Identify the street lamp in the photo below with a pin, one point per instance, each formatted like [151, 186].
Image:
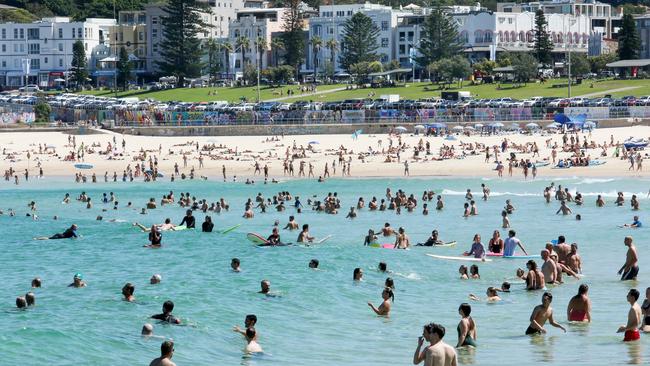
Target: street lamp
[572, 21]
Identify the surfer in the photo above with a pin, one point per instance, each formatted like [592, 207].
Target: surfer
[70, 232]
[432, 240]
[635, 223]
[274, 238]
[167, 225]
[304, 235]
[188, 220]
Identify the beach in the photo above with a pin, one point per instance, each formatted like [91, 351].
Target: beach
[250, 149]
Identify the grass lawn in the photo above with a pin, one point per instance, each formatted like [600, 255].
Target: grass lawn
[410, 91]
[201, 94]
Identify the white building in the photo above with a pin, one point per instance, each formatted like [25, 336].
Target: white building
[47, 44]
[222, 14]
[250, 24]
[330, 22]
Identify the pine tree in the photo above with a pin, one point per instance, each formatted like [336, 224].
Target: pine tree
[293, 37]
[628, 39]
[439, 38]
[123, 69]
[543, 45]
[79, 65]
[180, 47]
[359, 41]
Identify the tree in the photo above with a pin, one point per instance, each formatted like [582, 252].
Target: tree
[214, 63]
[316, 44]
[393, 65]
[42, 111]
[78, 66]
[525, 67]
[628, 39]
[260, 46]
[359, 41]
[579, 64]
[332, 46]
[277, 44]
[363, 69]
[250, 73]
[227, 48]
[452, 68]
[543, 44]
[124, 68]
[294, 43]
[439, 38]
[180, 48]
[242, 43]
[599, 63]
[485, 66]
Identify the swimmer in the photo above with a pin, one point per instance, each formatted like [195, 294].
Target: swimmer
[645, 307]
[371, 238]
[579, 308]
[128, 290]
[635, 223]
[387, 230]
[466, 327]
[390, 283]
[304, 235]
[384, 308]
[21, 303]
[492, 295]
[402, 240]
[207, 225]
[505, 286]
[71, 232]
[234, 265]
[36, 282]
[357, 274]
[313, 264]
[188, 220]
[265, 287]
[166, 316]
[511, 243]
[542, 313]
[166, 354]
[634, 318]
[155, 237]
[147, 330]
[292, 224]
[534, 278]
[437, 352]
[473, 272]
[155, 279]
[249, 322]
[549, 269]
[352, 214]
[382, 267]
[77, 281]
[464, 272]
[564, 209]
[251, 338]
[432, 240]
[630, 269]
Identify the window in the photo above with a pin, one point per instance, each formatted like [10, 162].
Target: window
[4, 63]
[16, 63]
[45, 60]
[487, 37]
[410, 36]
[60, 32]
[402, 36]
[15, 33]
[384, 25]
[340, 13]
[22, 33]
[509, 20]
[349, 12]
[74, 32]
[22, 47]
[33, 33]
[154, 20]
[384, 42]
[4, 33]
[154, 33]
[60, 62]
[34, 48]
[4, 48]
[80, 35]
[140, 36]
[60, 47]
[36, 63]
[402, 49]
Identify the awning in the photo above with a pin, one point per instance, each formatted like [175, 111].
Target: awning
[629, 63]
[390, 72]
[504, 69]
[109, 59]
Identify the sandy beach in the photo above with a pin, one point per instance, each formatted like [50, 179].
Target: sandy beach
[240, 153]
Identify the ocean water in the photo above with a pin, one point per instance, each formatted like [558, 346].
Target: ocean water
[320, 317]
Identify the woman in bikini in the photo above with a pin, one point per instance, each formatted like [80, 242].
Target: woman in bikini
[466, 327]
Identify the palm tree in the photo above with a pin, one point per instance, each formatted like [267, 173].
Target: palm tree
[243, 43]
[316, 43]
[276, 44]
[260, 42]
[332, 46]
[227, 49]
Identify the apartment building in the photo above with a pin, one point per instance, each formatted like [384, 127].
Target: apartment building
[643, 27]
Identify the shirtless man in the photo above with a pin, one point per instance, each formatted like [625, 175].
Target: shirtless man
[387, 230]
[548, 268]
[579, 308]
[630, 269]
[251, 342]
[631, 329]
[402, 240]
[573, 260]
[304, 235]
[166, 353]
[564, 209]
[437, 352]
[292, 224]
[562, 249]
[542, 313]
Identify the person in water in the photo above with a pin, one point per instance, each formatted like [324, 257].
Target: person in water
[492, 295]
[70, 232]
[630, 269]
[432, 240]
[265, 287]
[251, 341]
[304, 235]
[635, 223]
[313, 264]
[249, 322]
[188, 220]
[155, 279]
[542, 313]
[166, 315]
[371, 238]
[166, 354]
[207, 225]
[234, 265]
[466, 327]
[464, 272]
[384, 308]
[437, 352]
[274, 238]
[77, 281]
[478, 249]
[357, 274]
[155, 237]
[634, 318]
[579, 308]
[127, 291]
[645, 307]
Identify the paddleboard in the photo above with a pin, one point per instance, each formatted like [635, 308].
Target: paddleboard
[276, 245]
[449, 244]
[255, 238]
[226, 231]
[500, 255]
[468, 259]
[179, 228]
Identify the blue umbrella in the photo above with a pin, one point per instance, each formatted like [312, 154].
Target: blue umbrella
[313, 142]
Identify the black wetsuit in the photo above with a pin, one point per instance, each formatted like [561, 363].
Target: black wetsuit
[69, 233]
[207, 227]
[189, 222]
[169, 318]
[155, 239]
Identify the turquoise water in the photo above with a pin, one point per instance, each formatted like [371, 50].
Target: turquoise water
[321, 316]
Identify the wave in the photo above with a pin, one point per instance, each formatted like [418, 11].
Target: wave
[450, 192]
[612, 193]
[594, 181]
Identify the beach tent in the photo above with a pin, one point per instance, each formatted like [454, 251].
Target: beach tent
[469, 128]
[478, 125]
[590, 125]
[553, 125]
[513, 127]
[436, 125]
[497, 125]
[313, 142]
[419, 127]
[400, 128]
[532, 126]
[457, 128]
[561, 118]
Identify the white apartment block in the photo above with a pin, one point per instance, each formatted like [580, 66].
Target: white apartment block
[330, 23]
[47, 44]
[223, 12]
[252, 23]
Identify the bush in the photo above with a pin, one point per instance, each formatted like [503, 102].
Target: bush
[42, 111]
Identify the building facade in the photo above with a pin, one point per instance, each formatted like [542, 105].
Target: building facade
[643, 27]
[46, 45]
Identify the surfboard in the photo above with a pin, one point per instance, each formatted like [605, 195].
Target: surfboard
[255, 238]
[322, 240]
[468, 259]
[449, 244]
[83, 166]
[226, 231]
[179, 228]
[500, 255]
[276, 245]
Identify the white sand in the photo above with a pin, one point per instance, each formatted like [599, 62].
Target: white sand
[251, 148]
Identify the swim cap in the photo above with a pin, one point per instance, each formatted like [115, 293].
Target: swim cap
[79, 276]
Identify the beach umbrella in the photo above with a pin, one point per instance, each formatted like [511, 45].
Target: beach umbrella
[469, 128]
[478, 125]
[532, 126]
[553, 125]
[513, 126]
[400, 128]
[457, 128]
[590, 124]
[419, 127]
[437, 125]
[497, 125]
[313, 142]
